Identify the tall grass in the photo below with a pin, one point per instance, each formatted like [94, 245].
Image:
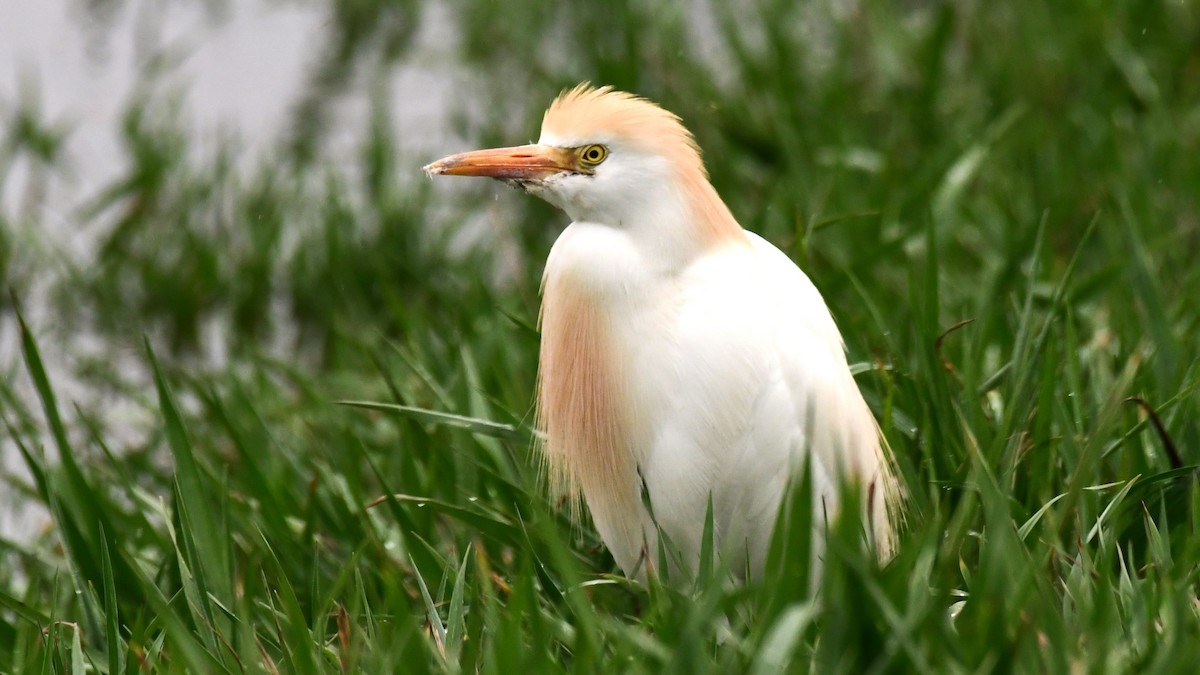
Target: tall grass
[998, 202]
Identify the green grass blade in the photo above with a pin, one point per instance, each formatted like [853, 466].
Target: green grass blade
[432, 618]
[775, 654]
[204, 553]
[112, 626]
[456, 614]
[474, 425]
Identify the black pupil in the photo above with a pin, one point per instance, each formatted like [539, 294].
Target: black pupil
[593, 154]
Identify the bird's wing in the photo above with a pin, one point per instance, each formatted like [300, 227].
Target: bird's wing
[759, 382]
[841, 437]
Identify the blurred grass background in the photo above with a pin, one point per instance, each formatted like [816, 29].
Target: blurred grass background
[1030, 169]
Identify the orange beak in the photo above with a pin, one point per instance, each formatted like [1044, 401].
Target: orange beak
[525, 162]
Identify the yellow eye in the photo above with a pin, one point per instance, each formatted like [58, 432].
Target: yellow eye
[593, 154]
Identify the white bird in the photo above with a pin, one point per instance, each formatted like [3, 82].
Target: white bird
[681, 356]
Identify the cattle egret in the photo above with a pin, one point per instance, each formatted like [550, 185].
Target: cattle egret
[683, 359]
